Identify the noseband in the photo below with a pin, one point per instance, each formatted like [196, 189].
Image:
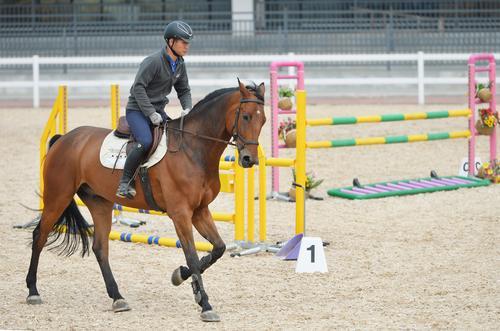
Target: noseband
[236, 135]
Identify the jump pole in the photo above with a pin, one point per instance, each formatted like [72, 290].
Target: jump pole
[300, 161]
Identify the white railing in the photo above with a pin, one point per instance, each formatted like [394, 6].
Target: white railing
[419, 79]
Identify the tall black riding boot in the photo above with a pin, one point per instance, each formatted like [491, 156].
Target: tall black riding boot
[126, 188]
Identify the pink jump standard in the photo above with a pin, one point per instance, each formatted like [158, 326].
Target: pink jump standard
[473, 102]
[275, 76]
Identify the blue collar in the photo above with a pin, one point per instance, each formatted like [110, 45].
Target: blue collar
[173, 64]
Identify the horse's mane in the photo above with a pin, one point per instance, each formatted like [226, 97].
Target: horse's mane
[211, 96]
[217, 93]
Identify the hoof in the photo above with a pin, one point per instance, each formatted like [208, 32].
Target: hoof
[34, 300]
[120, 305]
[209, 316]
[176, 277]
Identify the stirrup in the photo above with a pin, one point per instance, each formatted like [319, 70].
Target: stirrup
[125, 191]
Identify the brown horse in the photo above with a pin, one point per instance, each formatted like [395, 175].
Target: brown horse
[184, 183]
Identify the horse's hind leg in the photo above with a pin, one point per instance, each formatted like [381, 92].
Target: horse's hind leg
[203, 222]
[101, 211]
[52, 210]
[183, 227]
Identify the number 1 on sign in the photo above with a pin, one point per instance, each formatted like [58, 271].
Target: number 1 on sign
[311, 248]
[311, 256]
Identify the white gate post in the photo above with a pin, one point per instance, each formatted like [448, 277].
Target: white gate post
[420, 68]
[36, 81]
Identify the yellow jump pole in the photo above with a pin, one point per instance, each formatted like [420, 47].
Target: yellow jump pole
[251, 205]
[239, 200]
[63, 110]
[262, 195]
[115, 115]
[115, 105]
[300, 162]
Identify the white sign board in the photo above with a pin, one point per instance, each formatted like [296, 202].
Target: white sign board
[464, 166]
[311, 256]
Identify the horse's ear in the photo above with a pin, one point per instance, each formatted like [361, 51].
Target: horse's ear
[243, 90]
[261, 89]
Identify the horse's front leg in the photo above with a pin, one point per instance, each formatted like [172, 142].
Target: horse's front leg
[183, 227]
[203, 222]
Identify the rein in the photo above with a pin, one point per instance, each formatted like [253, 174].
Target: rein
[235, 135]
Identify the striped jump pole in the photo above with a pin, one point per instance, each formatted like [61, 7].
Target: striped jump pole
[155, 240]
[146, 239]
[388, 140]
[388, 117]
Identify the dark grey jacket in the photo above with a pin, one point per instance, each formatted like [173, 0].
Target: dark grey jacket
[154, 82]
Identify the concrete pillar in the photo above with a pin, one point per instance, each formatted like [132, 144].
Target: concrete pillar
[242, 17]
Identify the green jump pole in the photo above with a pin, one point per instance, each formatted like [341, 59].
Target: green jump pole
[388, 117]
[388, 139]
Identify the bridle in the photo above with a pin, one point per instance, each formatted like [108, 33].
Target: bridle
[235, 133]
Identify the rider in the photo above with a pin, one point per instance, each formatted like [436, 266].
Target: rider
[157, 74]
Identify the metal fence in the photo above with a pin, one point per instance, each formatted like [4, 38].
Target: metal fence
[278, 26]
[414, 73]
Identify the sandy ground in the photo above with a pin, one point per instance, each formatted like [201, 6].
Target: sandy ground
[428, 261]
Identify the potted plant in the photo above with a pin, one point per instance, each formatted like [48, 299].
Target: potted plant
[286, 132]
[311, 183]
[483, 92]
[488, 119]
[285, 93]
[490, 171]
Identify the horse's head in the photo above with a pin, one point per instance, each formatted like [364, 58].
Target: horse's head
[246, 123]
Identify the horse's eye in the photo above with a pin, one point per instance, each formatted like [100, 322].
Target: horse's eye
[246, 117]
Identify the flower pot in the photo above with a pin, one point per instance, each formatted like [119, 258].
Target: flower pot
[291, 139]
[484, 130]
[292, 193]
[485, 174]
[484, 94]
[285, 104]
[481, 173]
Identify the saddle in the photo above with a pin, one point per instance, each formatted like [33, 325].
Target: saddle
[123, 132]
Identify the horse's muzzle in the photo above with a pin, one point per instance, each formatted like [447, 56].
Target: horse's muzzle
[246, 160]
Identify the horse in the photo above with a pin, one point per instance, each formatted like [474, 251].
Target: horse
[183, 184]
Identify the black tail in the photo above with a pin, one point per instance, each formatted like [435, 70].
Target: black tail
[71, 227]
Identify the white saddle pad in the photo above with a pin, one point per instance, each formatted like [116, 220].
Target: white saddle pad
[113, 148]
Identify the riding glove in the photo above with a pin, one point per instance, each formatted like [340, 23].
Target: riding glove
[185, 111]
[155, 118]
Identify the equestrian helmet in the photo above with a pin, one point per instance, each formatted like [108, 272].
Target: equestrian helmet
[178, 30]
